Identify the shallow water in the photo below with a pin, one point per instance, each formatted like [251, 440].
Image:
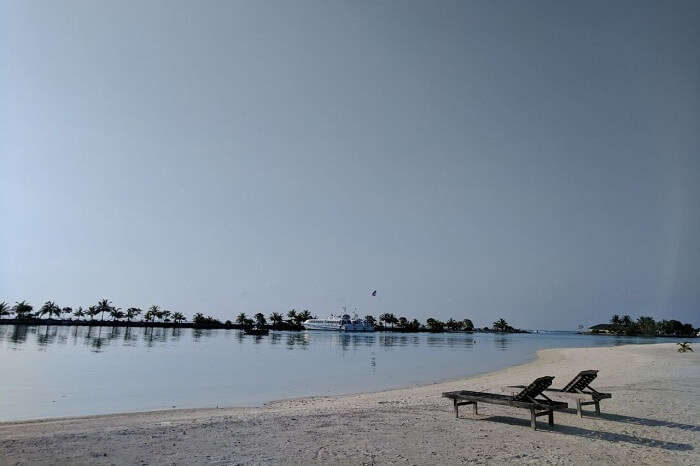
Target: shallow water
[50, 371]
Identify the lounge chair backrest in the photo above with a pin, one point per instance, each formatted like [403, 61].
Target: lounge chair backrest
[581, 381]
[536, 388]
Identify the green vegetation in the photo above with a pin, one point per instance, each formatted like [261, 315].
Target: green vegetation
[276, 319]
[502, 326]
[22, 310]
[645, 326]
[132, 312]
[156, 316]
[5, 309]
[435, 325]
[684, 347]
[199, 320]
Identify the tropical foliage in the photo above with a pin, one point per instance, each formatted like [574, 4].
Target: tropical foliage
[646, 325]
[49, 308]
[260, 319]
[200, 319]
[132, 312]
[276, 319]
[501, 326]
[684, 347]
[5, 309]
[79, 312]
[22, 310]
[435, 325]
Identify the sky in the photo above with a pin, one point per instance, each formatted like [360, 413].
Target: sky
[536, 161]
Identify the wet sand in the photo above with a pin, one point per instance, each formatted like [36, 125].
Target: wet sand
[651, 419]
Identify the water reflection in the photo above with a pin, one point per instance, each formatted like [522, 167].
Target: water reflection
[99, 338]
[502, 342]
[102, 369]
[297, 340]
[275, 338]
[48, 336]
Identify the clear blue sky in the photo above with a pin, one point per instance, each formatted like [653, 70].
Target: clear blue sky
[537, 161]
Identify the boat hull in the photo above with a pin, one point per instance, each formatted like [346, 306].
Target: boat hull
[338, 326]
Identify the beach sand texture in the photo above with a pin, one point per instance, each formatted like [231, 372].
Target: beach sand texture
[653, 418]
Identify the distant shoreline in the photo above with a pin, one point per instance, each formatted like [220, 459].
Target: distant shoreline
[213, 326]
[286, 327]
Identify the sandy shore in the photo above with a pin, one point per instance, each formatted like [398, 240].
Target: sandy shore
[653, 418]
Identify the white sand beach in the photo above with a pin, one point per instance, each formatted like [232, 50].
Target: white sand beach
[653, 418]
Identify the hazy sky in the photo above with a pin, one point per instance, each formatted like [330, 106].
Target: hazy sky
[537, 161]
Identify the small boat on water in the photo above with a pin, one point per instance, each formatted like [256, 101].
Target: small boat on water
[343, 324]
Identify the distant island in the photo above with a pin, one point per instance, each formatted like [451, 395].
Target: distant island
[644, 326]
[52, 314]
[105, 313]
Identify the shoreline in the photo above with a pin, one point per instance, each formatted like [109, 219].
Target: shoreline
[536, 357]
[650, 419]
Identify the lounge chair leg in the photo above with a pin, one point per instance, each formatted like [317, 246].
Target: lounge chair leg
[475, 411]
[597, 407]
[533, 419]
[456, 409]
[551, 418]
[579, 410]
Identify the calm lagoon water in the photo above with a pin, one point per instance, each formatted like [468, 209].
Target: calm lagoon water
[50, 371]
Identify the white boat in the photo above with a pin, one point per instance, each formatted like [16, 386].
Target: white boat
[343, 324]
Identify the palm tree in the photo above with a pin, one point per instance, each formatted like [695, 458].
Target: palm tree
[260, 319]
[626, 321]
[454, 324]
[435, 325]
[241, 318]
[116, 313]
[276, 319]
[92, 311]
[646, 325]
[4, 309]
[79, 313]
[615, 320]
[104, 305]
[384, 318]
[152, 314]
[370, 320]
[132, 312]
[22, 309]
[389, 318]
[500, 325]
[303, 316]
[292, 316]
[49, 308]
[164, 315]
[178, 317]
[468, 325]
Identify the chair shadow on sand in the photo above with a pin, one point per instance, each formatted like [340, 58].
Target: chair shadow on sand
[594, 434]
[639, 421]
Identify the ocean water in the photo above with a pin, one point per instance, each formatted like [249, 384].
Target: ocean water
[51, 371]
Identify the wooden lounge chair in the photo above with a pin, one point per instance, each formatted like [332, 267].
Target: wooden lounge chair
[578, 389]
[526, 399]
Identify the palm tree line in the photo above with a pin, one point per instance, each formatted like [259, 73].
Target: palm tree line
[104, 308]
[293, 320]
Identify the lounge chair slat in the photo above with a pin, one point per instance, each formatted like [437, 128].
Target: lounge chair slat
[578, 389]
[526, 399]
